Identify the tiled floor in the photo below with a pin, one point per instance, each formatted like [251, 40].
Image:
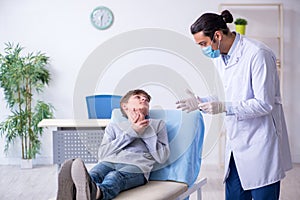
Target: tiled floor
[40, 183]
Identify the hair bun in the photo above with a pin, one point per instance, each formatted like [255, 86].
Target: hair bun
[227, 16]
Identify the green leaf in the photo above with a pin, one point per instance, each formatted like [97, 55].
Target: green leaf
[240, 21]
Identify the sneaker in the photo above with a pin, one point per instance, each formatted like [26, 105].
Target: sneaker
[65, 182]
[86, 189]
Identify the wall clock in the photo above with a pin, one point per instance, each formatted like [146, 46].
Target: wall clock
[102, 17]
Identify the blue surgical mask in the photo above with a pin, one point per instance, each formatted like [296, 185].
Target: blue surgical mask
[208, 51]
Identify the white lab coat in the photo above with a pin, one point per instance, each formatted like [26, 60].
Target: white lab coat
[256, 132]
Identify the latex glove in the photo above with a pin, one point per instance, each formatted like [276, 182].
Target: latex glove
[214, 107]
[189, 104]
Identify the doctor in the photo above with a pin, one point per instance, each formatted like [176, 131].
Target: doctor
[257, 149]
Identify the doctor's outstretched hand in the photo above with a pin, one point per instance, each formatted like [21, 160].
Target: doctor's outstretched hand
[189, 104]
[214, 107]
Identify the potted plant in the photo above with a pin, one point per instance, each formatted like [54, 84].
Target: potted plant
[240, 25]
[22, 77]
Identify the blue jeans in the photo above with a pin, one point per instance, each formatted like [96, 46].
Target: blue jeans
[112, 178]
[234, 190]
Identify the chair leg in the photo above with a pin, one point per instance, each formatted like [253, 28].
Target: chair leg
[199, 194]
[197, 187]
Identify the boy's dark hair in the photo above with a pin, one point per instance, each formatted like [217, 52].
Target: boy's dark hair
[126, 97]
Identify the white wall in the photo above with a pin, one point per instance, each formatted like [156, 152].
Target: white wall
[62, 29]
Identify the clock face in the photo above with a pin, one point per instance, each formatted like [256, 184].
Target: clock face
[102, 17]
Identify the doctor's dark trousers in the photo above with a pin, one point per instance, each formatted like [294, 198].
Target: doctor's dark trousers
[234, 190]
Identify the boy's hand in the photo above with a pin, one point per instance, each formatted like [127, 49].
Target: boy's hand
[138, 121]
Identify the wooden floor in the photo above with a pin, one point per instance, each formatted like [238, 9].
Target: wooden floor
[40, 183]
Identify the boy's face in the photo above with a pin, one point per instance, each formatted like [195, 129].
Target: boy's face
[137, 102]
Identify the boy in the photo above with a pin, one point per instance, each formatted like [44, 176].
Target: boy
[126, 155]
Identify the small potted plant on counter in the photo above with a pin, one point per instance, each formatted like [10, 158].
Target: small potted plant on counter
[240, 25]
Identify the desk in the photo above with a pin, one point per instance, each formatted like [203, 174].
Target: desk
[74, 123]
[76, 138]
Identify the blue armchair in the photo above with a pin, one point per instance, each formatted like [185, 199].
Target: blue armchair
[177, 178]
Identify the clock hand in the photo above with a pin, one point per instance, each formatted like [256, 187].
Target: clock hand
[101, 19]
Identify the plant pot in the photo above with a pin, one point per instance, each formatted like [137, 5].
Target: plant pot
[26, 164]
[241, 29]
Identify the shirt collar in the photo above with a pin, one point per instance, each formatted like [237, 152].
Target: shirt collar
[234, 44]
[227, 56]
